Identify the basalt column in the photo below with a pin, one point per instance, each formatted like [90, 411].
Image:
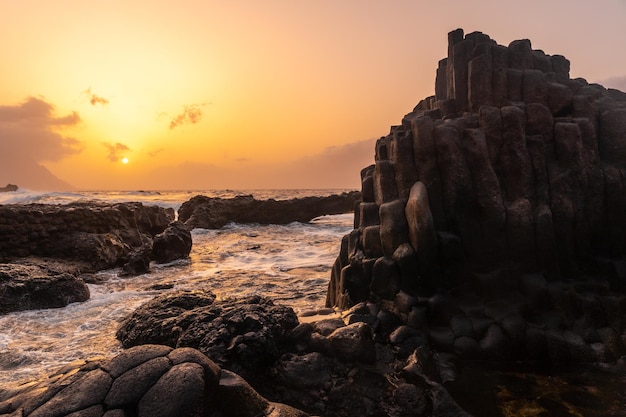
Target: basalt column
[506, 186]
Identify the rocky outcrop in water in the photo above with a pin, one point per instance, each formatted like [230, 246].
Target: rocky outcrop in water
[213, 213]
[36, 285]
[88, 236]
[9, 188]
[173, 243]
[96, 235]
[146, 381]
[492, 223]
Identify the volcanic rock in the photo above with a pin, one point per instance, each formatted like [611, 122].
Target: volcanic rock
[36, 286]
[239, 334]
[497, 206]
[146, 381]
[173, 243]
[96, 235]
[213, 213]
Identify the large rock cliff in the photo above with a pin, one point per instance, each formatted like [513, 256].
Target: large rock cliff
[493, 216]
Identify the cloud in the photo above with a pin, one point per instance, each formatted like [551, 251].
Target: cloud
[337, 167]
[116, 150]
[191, 114]
[619, 83]
[154, 153]
[95, 99]
[32, 129]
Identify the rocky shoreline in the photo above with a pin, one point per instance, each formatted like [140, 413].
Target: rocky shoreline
[489, 235]
[213, 213]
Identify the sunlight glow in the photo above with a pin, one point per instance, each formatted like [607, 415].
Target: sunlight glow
[124, 160]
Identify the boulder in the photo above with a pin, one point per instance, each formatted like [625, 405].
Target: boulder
[138, 261]
[353, 343]
[173, 243]
[37, 286]
[240, 334]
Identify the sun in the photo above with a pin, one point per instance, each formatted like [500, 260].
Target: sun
[124, 160]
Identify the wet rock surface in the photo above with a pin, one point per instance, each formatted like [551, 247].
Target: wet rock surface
[213, 213]
[36, 285]
[145, 381]
[94, 235]
[240, 334]
[86, 237]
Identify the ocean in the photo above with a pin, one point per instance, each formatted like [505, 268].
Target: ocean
[289, 263]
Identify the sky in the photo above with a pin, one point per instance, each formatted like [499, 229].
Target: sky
[202, 94]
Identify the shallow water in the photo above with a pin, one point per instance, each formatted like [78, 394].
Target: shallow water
[289, 263]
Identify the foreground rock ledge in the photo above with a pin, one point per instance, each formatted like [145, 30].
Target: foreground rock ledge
[146, 381]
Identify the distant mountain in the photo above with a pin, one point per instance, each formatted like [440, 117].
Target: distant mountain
[27, 173]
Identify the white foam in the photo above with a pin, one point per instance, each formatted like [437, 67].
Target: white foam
[290, 263]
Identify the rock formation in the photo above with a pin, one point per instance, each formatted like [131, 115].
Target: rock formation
[213, 213]
[492, 220]
[8, 188]
[173, 243]
[96, 235]
[90, 237]
[241, 335]
[35, 285]
[331, 367]
[146, 381]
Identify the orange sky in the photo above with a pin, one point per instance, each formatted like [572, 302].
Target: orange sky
[249, 94]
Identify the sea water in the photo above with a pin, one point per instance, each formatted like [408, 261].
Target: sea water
[288, 263]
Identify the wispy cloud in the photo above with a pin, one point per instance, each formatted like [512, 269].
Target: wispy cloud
[33, 129]
[95, 99]
[618, 83]
[116, 150]
[191, 114]
[334, 167]
[154, 153]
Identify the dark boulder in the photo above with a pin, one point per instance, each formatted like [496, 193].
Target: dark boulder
[36, 286]
[156, 322]
[239, 334]
[138, 261]
[213, 213]
[173, 243]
